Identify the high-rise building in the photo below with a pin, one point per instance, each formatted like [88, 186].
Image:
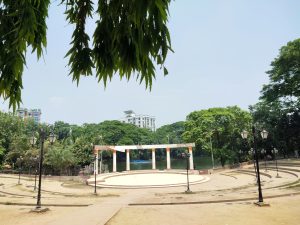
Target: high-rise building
[35, 114]
[143, 121]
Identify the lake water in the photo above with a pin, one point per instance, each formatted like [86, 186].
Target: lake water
[199, 162]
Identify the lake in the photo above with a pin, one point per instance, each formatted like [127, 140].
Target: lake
[202, 162]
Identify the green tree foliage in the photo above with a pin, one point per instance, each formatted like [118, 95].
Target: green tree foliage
[284, 77]
[218, 129]
[62, 130]
[279, 108]
[170, 133]
[282, 123]
[11, 128]
[2, 154]
[60, 157]
[131, 37]
[17, 148]
[82, 150]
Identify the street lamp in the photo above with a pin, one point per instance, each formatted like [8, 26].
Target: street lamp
[251, 153]
[212, 154]
[275, 151]
[20, 159]
[264, 153]
[244, 134]
[95, 169]
[36, 170]
[264, 135]
[35, 166]
[240, 157]
[187, 156]
[42, 140]
[52, 138]
[95, 191]
[101, 142]
[33, 140]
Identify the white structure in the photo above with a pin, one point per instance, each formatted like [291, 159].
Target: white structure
[127, 148]
[35, 114]
[143, 121]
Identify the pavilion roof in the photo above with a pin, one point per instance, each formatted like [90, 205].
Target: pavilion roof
[122, 148]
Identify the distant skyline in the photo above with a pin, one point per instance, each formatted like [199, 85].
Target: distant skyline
[222, 51]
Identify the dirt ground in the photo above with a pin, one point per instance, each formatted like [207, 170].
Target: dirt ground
[125, 206]
[282, 211]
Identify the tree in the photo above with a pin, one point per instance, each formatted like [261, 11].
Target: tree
[284, 77]
[279, 106]
[17, 148]
[282, 123]
[131, 36]
[59, 158]
[217, 129]
[82, 151]
[170, 133]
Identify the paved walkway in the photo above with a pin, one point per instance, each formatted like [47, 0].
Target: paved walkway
[149, 179]
[226, 184]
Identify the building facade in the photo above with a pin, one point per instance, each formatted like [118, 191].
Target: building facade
[143, 121]
[35, 114]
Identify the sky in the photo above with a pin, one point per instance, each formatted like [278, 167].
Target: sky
[222, 50]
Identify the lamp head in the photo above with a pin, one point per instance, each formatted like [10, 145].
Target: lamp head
[52, 138]
[33, 140]
[264, 134]
[244, 134]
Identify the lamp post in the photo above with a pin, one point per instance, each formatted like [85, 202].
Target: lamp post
[95, 168]
[212, 154]
[240, 157]
[43, 138]
[275, 151]
[264, 136]
[36, 170]
[187, 156]
[101, 141]
[263, 152]
[20, 159]
[251, 153]
[95, 174]
[33, 140]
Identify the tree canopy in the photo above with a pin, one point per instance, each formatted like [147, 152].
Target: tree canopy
[278, 110]
[131, 37]
[284, 76]
[217, 130]
[283, 125]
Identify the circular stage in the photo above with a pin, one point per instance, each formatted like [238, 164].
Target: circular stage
[147, 180]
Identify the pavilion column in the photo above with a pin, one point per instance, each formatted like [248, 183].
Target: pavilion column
[191, 158]
[153, 159]
[127, 160]
[114, 161]
[168, 159]
[97, 163]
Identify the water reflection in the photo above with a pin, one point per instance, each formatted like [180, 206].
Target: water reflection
[199, 163]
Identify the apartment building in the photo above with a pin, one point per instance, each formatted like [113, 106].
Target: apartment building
[143, 121]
